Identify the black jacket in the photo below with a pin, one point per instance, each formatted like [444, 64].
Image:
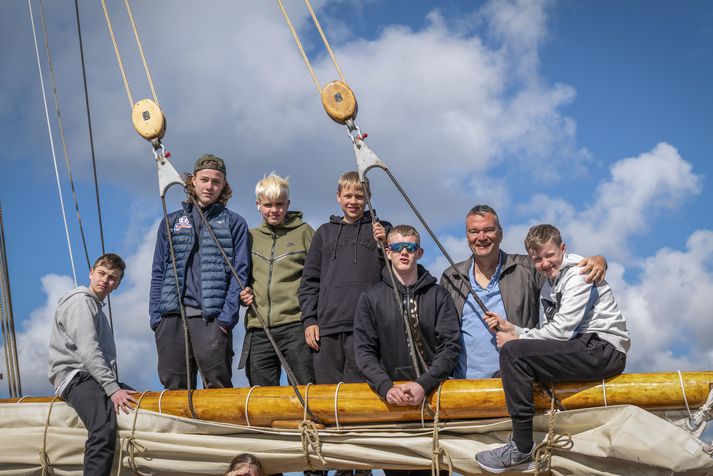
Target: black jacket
[380, 337]
[343, 260]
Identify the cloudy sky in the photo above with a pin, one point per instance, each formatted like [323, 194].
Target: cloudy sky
[592, 116]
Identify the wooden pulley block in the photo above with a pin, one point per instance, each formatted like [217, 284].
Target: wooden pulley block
[148, 119]
[339, 101]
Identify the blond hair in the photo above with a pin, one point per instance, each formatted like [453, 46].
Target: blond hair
[272, 187]
[352, 179]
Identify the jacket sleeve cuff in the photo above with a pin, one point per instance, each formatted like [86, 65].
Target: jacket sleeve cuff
[383, 388]
[520, 331]
[428, 383]
[310, 321]
[111, 388]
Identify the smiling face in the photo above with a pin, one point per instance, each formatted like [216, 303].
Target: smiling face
[352, 201]
[403, 261]
[103, 280]
[208, 184]
[273, 211]
[484, 235]
[548, 259]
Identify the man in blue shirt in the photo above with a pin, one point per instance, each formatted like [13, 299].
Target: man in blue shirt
[506, 283]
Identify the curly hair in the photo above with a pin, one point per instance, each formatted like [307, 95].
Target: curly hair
[222, 199]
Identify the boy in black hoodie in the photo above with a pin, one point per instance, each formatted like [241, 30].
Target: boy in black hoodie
[422, 353]
[343, 260]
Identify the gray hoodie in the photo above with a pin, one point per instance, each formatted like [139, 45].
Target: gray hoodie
[570, 306]
[82, 340]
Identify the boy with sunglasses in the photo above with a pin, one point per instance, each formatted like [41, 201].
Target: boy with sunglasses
[424, 315]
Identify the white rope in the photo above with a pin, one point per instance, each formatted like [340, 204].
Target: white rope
[703, 414]
[21, 399]
[49, 129]
[160, 396]
[247, 401]
[604, 392]
[336, 405]
[683, 391]
[423, 409]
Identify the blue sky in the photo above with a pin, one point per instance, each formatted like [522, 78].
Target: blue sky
[593, 116]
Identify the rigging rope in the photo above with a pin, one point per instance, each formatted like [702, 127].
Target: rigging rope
[61, 132]
[7, 320]
[91, 148]
[116, 51]
[49, 128]
[141, 52]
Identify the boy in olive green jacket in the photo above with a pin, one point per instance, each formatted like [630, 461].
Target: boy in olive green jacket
[279, 248]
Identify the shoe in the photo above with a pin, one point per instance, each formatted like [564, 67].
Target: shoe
[505, 458]
[362, 472]
[343, 472]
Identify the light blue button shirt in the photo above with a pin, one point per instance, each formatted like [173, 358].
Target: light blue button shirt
[479, 356]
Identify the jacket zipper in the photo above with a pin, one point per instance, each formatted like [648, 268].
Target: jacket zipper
[269, 277]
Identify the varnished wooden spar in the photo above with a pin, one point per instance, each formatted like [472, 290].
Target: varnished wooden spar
[460, 399]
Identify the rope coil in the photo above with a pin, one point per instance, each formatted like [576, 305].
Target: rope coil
[604, 392]
[683, 392]
[309, 435]
[44, 457]
[336, 405]
[437, 451]
[247, 402]
[542, 454]
[132, 446]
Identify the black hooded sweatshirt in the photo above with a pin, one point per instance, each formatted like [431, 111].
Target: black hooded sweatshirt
[343, 260]
[380, 341]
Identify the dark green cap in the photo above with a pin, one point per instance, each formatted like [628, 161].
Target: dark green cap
[209, 161]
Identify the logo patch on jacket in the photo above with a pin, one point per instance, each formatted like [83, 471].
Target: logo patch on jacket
[182, 222]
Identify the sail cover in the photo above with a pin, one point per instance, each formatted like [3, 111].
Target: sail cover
[611, 440]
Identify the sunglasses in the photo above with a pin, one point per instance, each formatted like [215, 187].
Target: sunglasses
[410, 247]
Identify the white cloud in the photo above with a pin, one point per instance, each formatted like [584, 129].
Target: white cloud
[668, 308]
[638, 191]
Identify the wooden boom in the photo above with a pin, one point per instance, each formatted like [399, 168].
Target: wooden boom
[460, 399]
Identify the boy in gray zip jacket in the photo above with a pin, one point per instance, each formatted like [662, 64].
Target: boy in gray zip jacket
[582, 336]
[82, 362]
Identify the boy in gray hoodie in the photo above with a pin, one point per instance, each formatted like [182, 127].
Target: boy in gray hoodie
[582, 336]
[82, 362]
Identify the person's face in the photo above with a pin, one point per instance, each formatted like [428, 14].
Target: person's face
[273, 211]
[548, 259]
[484, 235]
[352, 201]
[103, 280]
[208, 184]
[404, 260]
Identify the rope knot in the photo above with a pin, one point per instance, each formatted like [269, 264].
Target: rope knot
[309, 435]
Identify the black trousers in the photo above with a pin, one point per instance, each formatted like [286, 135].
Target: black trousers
[210, 352]
[96, 411]
[525, 361]
[335, 361]
[262, 366]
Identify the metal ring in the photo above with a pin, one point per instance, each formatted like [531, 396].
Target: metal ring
[336, 405]
[604, 392]
[160, 396]
[247, 400]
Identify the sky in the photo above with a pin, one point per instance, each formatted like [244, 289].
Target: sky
[592, 116]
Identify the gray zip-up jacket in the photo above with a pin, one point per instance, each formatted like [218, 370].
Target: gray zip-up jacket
[570, 306]
[82, 340]
[519, 286]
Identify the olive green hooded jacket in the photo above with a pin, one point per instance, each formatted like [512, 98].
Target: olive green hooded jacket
[278, 256]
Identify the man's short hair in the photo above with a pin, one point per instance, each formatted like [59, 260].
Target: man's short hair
[111, 261]
[405, 230]
[540, 235]
[481, 210]
[351, 179]
[272, 187]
